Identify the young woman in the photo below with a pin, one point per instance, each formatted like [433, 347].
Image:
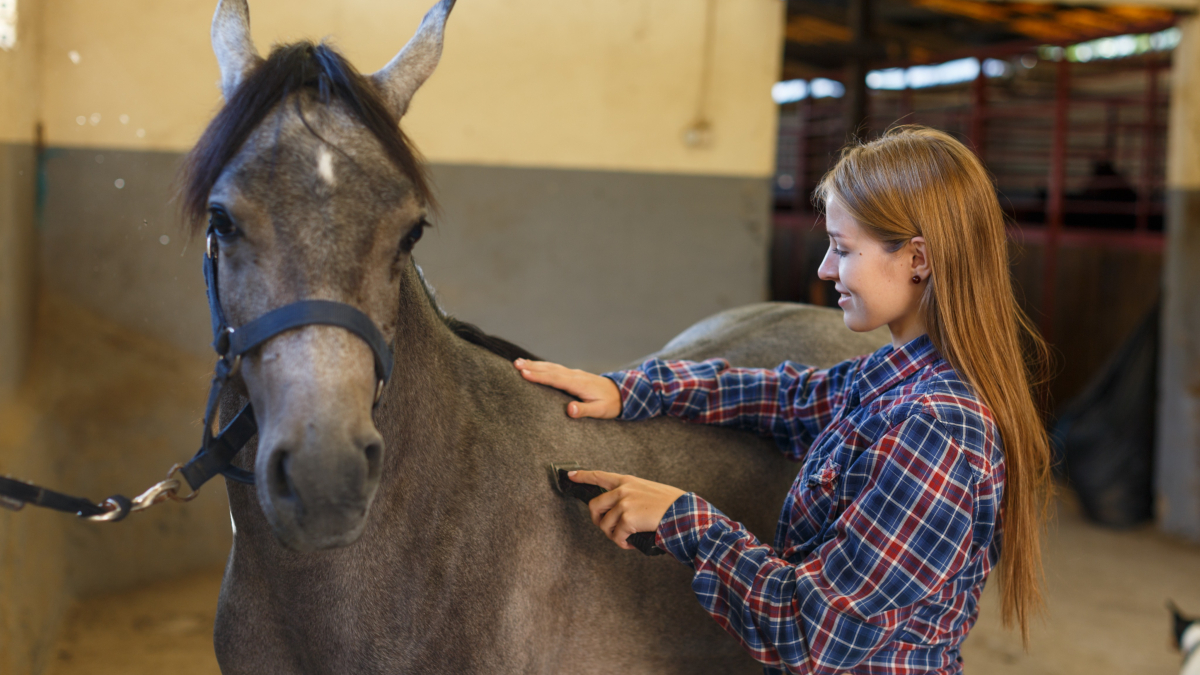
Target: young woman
[925, 463]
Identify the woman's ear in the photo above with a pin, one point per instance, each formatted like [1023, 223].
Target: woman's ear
[920, 259]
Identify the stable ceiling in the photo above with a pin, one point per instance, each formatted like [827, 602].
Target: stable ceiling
[922, 31]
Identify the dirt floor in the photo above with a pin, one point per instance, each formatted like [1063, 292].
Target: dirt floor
[1106, 616]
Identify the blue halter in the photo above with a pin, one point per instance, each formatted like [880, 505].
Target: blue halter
[231, 344]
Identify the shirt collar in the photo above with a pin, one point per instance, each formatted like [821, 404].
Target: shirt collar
[889, 366]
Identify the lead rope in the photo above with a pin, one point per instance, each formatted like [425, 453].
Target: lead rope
[213, 457]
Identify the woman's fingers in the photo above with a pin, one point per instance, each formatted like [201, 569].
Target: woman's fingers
[604, 479]
[599, 396]
[630, 505]
[615, 527]
[601, 506]
[596, 409]
[550, 374]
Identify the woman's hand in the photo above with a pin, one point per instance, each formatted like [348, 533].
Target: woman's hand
[599, 396]
[630, 505]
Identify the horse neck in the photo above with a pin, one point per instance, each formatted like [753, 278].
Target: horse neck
[422, 407]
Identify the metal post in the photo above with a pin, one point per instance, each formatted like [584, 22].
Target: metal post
[907, 111]
[803, 119]
[979, 112]
[1056, 187]
[858, 18]
[1149, 129]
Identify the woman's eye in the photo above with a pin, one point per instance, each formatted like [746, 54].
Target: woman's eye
[220, 223]
[836, 251]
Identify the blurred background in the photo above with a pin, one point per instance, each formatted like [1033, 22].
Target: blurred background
[610, 172]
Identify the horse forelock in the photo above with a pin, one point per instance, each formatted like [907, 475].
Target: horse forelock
[292, 69]
[320, 73]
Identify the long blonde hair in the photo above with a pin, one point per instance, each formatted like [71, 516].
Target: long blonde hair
[916, 181]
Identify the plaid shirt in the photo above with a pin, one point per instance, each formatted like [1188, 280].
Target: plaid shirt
[889, 531]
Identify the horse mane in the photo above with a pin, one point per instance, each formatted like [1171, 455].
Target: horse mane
[292, 68]
[469, 331]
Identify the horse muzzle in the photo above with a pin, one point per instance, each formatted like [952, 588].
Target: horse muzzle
[316, 487]
[319, 454]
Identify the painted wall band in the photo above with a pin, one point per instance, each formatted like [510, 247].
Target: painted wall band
[590, 84]
[591, 267]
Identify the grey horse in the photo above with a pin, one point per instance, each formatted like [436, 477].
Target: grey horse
[423, 534]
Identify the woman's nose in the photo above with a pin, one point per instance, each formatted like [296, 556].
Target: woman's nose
[828, 268]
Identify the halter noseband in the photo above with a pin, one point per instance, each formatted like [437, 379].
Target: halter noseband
[232, 343]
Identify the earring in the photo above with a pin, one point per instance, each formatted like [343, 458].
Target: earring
[916, 279]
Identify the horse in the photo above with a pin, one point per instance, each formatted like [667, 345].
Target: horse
[414, 527]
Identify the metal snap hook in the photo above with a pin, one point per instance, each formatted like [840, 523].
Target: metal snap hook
[209, 249]
[115, 508]
[378, 392]
[237, 364]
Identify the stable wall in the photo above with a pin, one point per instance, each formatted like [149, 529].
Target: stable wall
[1178, 449]
[33, 589]
[576, 220]
[19, 95]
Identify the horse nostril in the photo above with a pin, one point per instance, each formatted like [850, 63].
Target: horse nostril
[374, 452]
[281, 481]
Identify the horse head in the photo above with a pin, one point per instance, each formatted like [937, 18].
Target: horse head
[311, 192]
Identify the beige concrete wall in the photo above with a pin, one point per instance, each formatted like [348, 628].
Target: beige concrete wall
[33, 588]
[19, 97]
[19, 78]
[1183, 126]
[18, 171]
[590, 84]
[1178, 444]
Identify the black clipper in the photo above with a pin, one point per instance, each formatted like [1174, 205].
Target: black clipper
[642, 541]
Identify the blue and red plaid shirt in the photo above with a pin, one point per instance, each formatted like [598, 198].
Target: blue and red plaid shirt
[888, 532]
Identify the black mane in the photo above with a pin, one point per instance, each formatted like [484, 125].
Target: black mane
[475, 335]
[469, 331]
[290, 69]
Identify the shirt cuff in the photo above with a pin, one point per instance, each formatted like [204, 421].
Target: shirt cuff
[639, 401]
[685, 525]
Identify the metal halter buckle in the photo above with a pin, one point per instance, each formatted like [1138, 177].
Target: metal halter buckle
[209, 249]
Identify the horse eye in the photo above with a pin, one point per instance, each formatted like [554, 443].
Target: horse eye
[221, 223]
[414, 235]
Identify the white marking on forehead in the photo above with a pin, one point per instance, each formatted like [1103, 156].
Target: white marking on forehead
[325, 166]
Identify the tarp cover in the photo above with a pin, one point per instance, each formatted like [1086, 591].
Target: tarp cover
[1104, 438]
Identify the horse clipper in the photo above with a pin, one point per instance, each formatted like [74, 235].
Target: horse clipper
[642, 541]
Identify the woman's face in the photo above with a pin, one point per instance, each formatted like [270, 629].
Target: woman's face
[875, 286]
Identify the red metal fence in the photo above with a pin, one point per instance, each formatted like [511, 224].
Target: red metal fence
[1077, 151]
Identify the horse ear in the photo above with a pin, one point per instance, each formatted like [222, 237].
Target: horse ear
[404, 74]
[232, 44]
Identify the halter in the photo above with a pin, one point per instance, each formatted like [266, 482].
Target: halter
[216, 452]
[231, 344]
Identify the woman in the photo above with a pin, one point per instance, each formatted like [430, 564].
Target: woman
[919, 460]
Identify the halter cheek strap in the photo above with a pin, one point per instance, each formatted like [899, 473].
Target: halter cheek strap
[217, 452]
[231, 344]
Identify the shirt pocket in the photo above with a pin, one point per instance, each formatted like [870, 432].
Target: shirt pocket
[826, 475]
[821, 491]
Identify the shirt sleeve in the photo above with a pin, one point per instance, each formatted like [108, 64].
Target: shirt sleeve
[791, 402]
[905, 536]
